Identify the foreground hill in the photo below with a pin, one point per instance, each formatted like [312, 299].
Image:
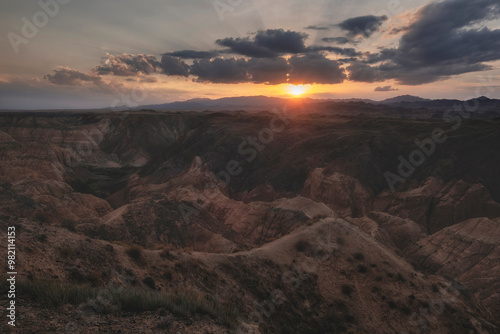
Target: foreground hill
[216, 222]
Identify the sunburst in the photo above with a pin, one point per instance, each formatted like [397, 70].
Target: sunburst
[297, 90]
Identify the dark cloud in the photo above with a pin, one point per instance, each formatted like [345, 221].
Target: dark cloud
[427, 74]
[191, 54]
[174, 66]
[267, 43]
[71, 77]
[349, 52]
[268, 70]
[445, 39]
[346, 60]
[128, 65]
[364, 73]
[337, 40]
[247, 47]
[304, 69]
[362, 25]
[220, 70]
[315, 68]
[314, 27]
[383, 55]
[385, 89]
[282, 41]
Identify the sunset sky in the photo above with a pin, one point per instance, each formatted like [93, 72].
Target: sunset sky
[95, 53]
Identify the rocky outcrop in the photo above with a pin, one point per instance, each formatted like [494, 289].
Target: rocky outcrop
[436, 205]
[343, 193]
[84, 187]
[468, 252]
[393, 232]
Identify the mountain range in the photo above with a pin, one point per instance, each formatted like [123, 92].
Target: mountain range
[252, 103]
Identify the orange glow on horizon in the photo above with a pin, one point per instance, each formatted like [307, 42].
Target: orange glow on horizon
[170, 90]
[297, 90]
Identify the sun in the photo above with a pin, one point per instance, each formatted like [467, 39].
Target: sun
[296, 90]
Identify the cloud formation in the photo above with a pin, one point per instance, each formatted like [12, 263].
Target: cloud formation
[268, 70]
[446, 38]
[266, 43]
[349, 52]
[71, 77]
[174, 66]
[385, 89]
[128, 65]
[337, 40]
[315, 68]
[219, 70]
[361, 72]
[191, 54]
[443, 39]
[315, 27]
[363, 26]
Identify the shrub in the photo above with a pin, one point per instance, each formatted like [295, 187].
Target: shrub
[53, 294]
[435, 288]
[134, 251]
[68, 224]
[67, 251]
[40, 217]
[391, 304]
[165, 324]
[169, 274]
[349, 318]
[75, 274]
[359, 256]
[341, 306]
[181, 303]
[302, 246]
[150, 282]
[94, 277]
[362, 268]
[401, 278]
[406, 310]
[347, 289]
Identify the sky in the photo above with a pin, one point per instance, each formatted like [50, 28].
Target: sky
[79, 54]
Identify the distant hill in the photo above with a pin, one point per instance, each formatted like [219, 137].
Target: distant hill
[259, 103]
[227, 103]
[403, 98]
[481, 104]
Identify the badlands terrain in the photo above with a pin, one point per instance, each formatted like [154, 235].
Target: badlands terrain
[253, 222]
